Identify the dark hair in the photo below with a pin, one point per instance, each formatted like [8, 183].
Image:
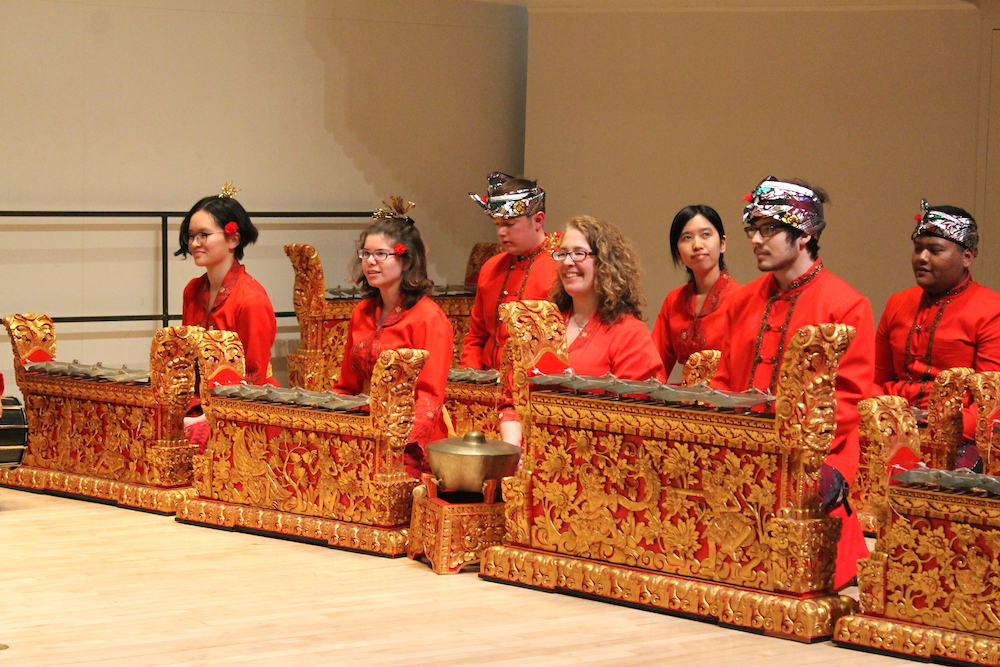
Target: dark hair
[794, 234]
[973, 236]
[616, 271]
[515, 184]
[415, 283]
[683, 217]
[224, 210]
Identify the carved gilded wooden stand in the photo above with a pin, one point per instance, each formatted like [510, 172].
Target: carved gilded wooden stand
[930, 588]
[313, 475]
[682, 510]
[452, 532]
[115, 443]
[323, 323]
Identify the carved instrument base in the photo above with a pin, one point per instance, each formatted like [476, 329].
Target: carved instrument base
[274, 523]
[804, 619]
[452, 535]
[869, 523]
[915, 641]
[124, 494]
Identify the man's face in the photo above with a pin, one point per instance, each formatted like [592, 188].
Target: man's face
[777, 251]
[939, 264]
[519, 235]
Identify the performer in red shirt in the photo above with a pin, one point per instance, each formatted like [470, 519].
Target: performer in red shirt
[784, 222]
[396, 312]
[599, 294]
[693, 316]
[948, 320]
[215, 232]
[524, 271]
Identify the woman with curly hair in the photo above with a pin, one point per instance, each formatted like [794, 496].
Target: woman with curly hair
[598, 292]
[396, 312]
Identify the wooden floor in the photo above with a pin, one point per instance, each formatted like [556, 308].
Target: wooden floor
[89, 584]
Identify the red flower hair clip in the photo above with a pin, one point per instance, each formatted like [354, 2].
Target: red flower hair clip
[231, 228]
[918, 217]
[399, 249]
[748, 196]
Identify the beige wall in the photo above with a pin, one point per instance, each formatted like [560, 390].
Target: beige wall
[306, 105]
[633, 115]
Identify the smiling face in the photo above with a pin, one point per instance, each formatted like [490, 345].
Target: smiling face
[939, 264]
[385, 274]
[577, 276]
[215, 248]
[700, 245]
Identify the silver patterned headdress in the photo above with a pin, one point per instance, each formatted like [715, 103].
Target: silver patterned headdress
[525, 201]
[957, 228]
[789, 203]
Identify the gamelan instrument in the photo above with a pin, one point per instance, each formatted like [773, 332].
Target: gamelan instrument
[13, 433]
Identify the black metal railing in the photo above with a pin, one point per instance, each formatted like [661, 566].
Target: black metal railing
[164, 216]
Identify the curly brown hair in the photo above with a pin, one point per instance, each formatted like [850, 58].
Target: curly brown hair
[616, 271]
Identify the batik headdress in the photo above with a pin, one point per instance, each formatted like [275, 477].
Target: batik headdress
[789, 203]
[394, 209]
[526, 201]
[957, 228]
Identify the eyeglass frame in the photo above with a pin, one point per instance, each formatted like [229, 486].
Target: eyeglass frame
[199, 239]
[575, 255]
[365, 253]
[772, 229]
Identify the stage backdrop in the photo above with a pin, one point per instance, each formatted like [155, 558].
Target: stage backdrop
[305, 105]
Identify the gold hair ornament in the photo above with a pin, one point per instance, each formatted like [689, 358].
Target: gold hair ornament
[394, 209]
[228, 190]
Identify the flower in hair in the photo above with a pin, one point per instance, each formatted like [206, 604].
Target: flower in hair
[918, 217]
[399, 249]
[228, 190]
[748, 196]
[232, 228]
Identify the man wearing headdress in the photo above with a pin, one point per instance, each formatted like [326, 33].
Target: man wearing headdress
[784, 221]
[525, 271]
[946, 321]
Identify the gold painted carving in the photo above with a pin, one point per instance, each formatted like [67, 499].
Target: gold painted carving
[887, 423]
[944, 417]
[473, 407]
[283, 464]
[700, 367]
[803, 619]
[30, 332]
[452, 535]
[985, 388]
[480, 253]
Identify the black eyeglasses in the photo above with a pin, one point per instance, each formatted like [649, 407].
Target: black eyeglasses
[766, 231]
[575, 255]
[199, 238]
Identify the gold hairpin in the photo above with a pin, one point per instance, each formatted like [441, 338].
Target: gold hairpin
[394, 209]
[228, 190]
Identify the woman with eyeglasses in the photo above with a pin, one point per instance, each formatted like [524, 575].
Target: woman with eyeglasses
[396, 312]
[693, 316]
[598, 291]
[215, 233]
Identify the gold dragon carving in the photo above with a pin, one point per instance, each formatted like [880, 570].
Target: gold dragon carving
[700, 367]
[614, 485]
[289, 461]
[985, 388]
[30, 332]
[944, 417]
[887, 423]
[82, 430]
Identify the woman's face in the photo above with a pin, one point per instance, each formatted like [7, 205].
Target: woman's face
[209, 245]
[386, 273]
[577, 276]
[699, 245]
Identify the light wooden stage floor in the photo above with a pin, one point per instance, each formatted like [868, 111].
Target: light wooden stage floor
[90, 584]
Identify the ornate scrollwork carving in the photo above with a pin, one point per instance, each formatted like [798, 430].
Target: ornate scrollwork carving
[806, 406]
[480, 253]
[985, 388]
[944, 416]
[173, 358]
[887, 423]
[700, 367]
[30, 333]
[394, 379]
[535, 328]
[218, 352]
[309, 291]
